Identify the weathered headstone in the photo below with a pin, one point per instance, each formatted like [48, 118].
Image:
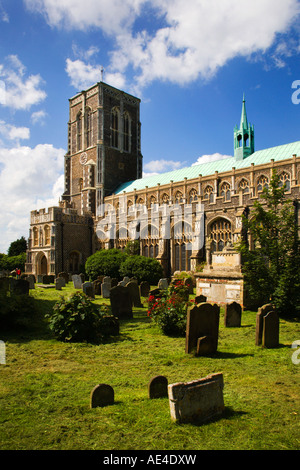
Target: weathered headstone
[144, 288]
[88, 289]
[202, 320]
[270, 335]
[158, 387]
[106, 287]
[133, 288]
[232, 315]
[19, 286]
[120, 301]
[97, 286]
[163, 284]
[65, 275]
[102, 395]
[77, 282]
[59, 283]
[31, 279]
[126, 279]
[198, 401]
[261, 313]
[39, 278]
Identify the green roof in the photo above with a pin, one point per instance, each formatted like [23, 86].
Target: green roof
[281, 152]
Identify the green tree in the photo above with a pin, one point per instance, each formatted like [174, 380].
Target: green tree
[104, 262]
[142, 268]
[272, 264]
[17, 247]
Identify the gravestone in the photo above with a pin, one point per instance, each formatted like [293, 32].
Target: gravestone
[126, 279]
[102, 395]
[134, 292]
[199, 299]
[59, 283]
[64, 275]
[47, 279]
[270, 335]
[232, 315]
[77, 282]
[261, 313]
[88, 289]
[202, 321]
[106, 287]
[122, 283]
[198, 401]
[97, 286]
[19, 286]
[31, 279]
[163, 284]
[144, 289]
[120, 301]
[158, 387]
[39, 278]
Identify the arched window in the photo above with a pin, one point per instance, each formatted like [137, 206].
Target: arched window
[244, 186]
[165, 198]
[209, 194]
[126, 130]
[178, 197]
[193, 196]
[262, 182]
[220, 234]
[284, 180]
[150, 241]
[79, 131]
[88, 127]
[35, 236]
[225, 191]
[47, 235]
[115, 128]
[152, 200]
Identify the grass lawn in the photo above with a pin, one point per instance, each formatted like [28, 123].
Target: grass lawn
[45, 388]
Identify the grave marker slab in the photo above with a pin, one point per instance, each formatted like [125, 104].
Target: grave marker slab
[102, 395]
[232, 315]
[120, 301]
[198, 401]
[158, 387]
[261, 313]
[77, 281]
[202, 320]
[270, 336]
[88, 289]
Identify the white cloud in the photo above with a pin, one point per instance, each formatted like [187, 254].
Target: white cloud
[29, 178]
[186, 40]
[160, 166]
[38, 117]
[11, 132]
[20, 91]
[210, 158]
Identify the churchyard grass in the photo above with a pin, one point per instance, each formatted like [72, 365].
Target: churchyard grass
[45, 388]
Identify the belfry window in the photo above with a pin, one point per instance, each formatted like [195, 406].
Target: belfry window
[88, 127]
[115, 128]
[126, 133]
[79, 131]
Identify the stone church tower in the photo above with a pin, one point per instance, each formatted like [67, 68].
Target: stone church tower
[104, 151]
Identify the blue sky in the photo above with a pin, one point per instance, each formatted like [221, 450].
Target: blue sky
[190, 61]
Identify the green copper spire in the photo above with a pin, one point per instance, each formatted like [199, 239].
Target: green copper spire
[243, 136]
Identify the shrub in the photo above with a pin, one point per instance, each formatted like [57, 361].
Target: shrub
[104, 262]
[78, 319]
[169, 311]
[142, 268]
[15, 310]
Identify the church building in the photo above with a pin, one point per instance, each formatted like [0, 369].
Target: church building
[183, 218]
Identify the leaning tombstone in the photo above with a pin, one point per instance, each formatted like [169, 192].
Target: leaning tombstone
[88, 289]
[106, 287]
[261, 313]
[158, 387]
[232, 315]
[59, 283]
[163, 284]
[77, 282]
[102, 395]
[198, 401]
[202, 321]
[120, 301]
[270, 335]
[133, 288]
